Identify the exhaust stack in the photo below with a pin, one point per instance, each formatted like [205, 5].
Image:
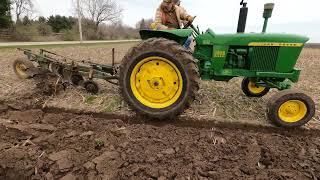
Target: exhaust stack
[268, 8]
[242, 17]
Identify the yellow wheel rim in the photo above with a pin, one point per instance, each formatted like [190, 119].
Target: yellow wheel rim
[253, 88]
[156, 82]
[293, 111]
[21, 70]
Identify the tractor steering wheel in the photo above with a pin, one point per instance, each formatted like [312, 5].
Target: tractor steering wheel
[186, 26]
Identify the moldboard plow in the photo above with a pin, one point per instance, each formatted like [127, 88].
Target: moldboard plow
[68, 70]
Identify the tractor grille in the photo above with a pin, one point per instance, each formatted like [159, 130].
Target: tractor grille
[264, 58]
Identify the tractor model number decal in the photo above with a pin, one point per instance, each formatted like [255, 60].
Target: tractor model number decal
[276, 44]
[219, 54]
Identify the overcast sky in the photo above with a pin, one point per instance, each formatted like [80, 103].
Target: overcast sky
[290, 16]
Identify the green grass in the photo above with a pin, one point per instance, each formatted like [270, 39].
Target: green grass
[99, 144]
[114, 103]
[90, 99]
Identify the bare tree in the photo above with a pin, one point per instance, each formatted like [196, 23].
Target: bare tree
[101, 11]
[22, 7]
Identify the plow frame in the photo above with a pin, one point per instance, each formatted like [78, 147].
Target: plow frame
[66, 67]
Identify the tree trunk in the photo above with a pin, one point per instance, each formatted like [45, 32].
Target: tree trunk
[96, 28]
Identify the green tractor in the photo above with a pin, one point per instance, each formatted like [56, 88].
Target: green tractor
[160, 78]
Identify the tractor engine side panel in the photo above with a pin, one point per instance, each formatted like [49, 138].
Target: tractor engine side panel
[275, 59]
[287, 58]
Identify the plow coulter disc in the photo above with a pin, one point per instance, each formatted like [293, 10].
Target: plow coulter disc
[91, 87]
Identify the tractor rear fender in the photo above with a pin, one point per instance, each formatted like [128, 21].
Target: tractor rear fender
[178, 35]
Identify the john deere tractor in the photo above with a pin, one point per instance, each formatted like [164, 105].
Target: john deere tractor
[160, 78]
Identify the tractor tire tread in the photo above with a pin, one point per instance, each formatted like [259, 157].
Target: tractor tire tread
[275, 102]
[175, 49]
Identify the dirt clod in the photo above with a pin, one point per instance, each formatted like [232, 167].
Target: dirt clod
[3, 108]
[89, 133]
[63, 160]
[69, 177]
[89, 165]
[169, 151]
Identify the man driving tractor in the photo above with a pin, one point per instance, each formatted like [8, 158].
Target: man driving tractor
[170, 15]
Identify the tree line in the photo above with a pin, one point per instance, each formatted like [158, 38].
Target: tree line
[101, 19]
[5, 13]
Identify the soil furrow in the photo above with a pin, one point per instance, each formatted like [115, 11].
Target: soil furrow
[54, 143]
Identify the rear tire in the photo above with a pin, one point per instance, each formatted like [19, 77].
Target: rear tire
[20, 67]
[159, 79]
[290, 109]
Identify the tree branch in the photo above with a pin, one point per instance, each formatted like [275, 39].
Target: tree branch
[101, 11]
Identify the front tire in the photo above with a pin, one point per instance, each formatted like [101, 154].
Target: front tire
[158, 78]
[250, 88]
[290, 109]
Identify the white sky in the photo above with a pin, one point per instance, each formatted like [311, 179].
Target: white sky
[290, 16]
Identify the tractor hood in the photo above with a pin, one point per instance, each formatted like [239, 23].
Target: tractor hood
[252, 39]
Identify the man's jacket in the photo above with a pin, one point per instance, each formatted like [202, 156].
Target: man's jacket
[181, 14]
